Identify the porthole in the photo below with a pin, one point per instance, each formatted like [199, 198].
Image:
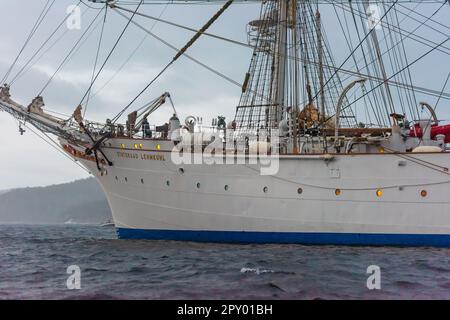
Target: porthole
[142, 181]
[266, 189]
[141, 146]
[379, 193]
[300, 191]
[424, 193]
[126, 179]
[226, 188]
[117, 178]
[338, 192]
[135, 145]
[158, 147]
[198, 185]
[168, 183]
[181, 171]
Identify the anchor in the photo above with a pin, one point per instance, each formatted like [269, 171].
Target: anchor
[96, 144]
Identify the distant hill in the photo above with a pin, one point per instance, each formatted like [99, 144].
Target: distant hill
[81, 201]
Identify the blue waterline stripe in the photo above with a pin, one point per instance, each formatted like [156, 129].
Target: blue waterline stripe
[357, 239]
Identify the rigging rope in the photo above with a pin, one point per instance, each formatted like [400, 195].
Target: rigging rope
[354, 50]
[409, 65]
[407, 86]
[69, 54]
[38, 22]
[434, 109]
[412, 93]
[423, 16]
[397, 58]
[243, 2]
[96, 60]
[19, 74]
[350, 46]
[56, 146]
[443, 89]
[51, 46]
[112, 50]
[417, 38]
[218, 73]
[130, 56]
[188, 28]
[178, 55]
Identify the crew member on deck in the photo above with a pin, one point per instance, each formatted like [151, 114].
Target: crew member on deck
[147, 133]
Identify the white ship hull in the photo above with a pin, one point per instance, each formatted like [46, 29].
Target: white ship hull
[294, 92]
[384, 199]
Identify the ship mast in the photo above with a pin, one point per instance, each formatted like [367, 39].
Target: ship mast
[279, 64]
[321, 75]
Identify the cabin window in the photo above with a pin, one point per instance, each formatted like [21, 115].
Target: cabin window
[424, 193]
[226, 188]
[299, 190]
[198, 185]
[379, 193]
[338, 192]
[168, 183]
[266, 189]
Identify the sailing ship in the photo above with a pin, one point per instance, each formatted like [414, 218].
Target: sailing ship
[298, 163]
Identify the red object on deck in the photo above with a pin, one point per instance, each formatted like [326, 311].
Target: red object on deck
[435, 130]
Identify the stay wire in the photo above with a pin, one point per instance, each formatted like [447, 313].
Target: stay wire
[67, 57]
[130, 56]
[38, 22]
[354, 50]
[180, 53]
[41, 47]
[112, 50]
[96, 60]
[400, 71]
[53, 144]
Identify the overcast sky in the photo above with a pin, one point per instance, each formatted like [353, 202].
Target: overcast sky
[28, 161]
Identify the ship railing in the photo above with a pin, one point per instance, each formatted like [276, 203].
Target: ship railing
[144, 132]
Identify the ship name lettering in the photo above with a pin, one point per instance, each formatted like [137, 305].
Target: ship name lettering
[156, 157]
[128, 155]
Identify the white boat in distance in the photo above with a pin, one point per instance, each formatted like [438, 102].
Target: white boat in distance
[296, 165]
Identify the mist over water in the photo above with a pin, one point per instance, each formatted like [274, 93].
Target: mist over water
[34, 261]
